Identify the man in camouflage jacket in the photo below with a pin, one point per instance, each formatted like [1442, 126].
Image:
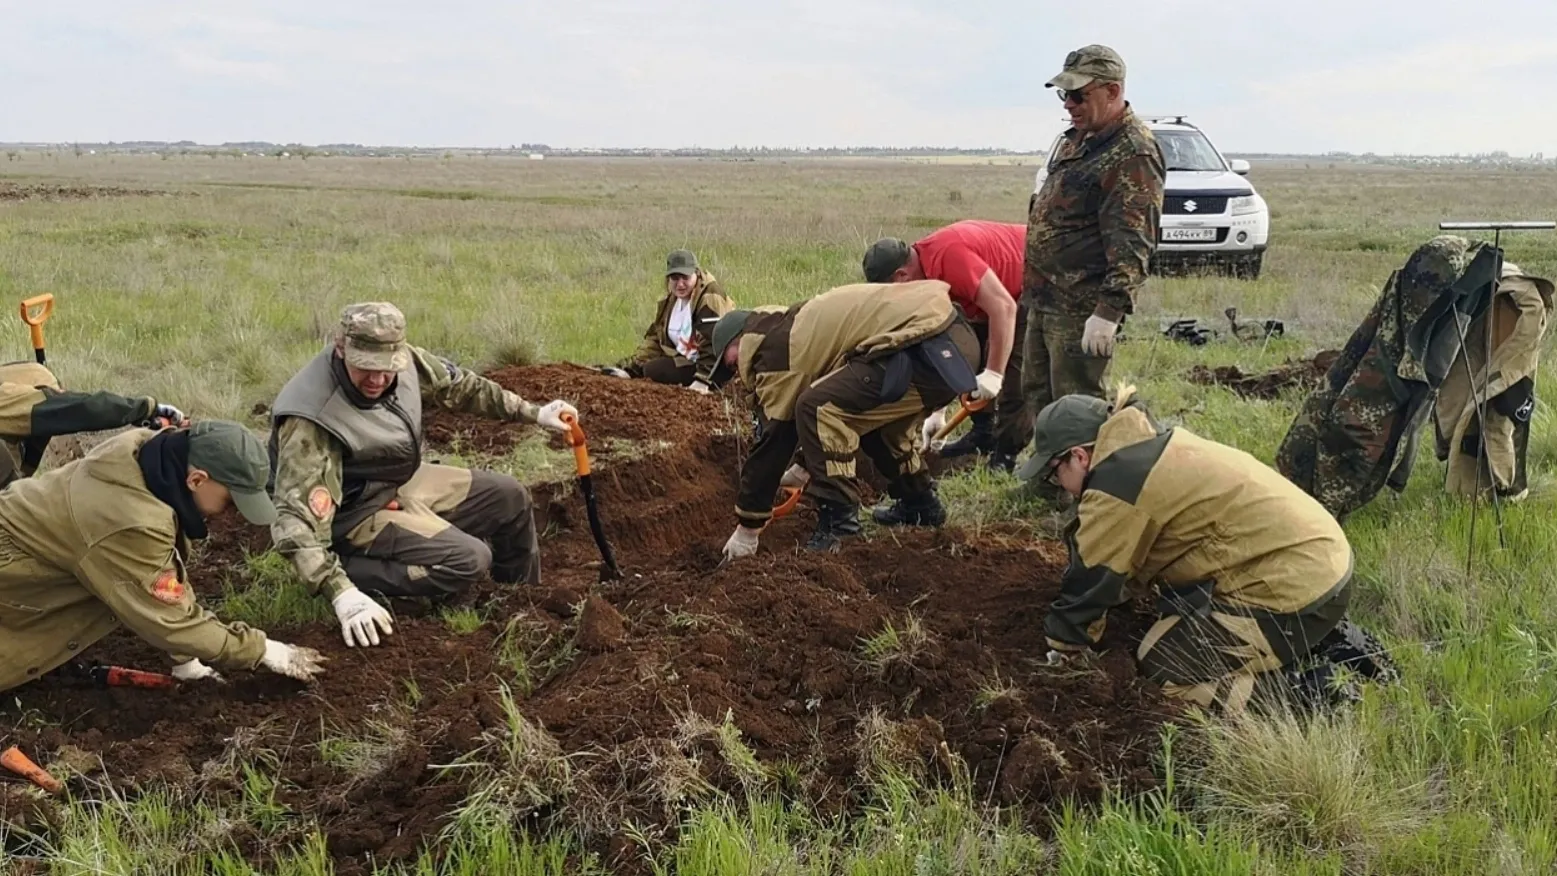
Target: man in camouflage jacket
[358, 507]
[1091, 231]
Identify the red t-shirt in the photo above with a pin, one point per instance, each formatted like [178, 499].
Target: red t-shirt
[961, 252]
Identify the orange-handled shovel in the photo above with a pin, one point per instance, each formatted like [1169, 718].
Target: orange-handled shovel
[13, 760]
[35, 312]
[586, 486]
[969, 406]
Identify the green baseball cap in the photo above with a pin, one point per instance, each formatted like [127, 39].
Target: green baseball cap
[727, 329]
[681, 262]
[1088, 64]
[1069, 421]
[883, 258]
[235, 458]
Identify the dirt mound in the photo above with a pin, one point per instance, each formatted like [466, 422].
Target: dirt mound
[1302, 374]
[788, 671]
[10, 191]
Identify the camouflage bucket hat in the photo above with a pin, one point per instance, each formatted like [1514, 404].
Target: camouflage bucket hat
[1089, 64]
[234, 457]
[373, 336]
[681, 262]
[1067, 422]
[883, 258]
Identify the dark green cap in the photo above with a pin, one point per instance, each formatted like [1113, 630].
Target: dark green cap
[681, 262]
[235, 458]
[726, 329]
[883, 258]
[1067, 422]
[1089, 64]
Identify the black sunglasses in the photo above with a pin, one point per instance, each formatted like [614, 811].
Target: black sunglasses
[1077, 94]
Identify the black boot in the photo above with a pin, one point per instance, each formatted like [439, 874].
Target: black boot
[979, 439]
[1318, 688]
[834, 521]
[1002, 461]
[917, 509]
[1356, 649]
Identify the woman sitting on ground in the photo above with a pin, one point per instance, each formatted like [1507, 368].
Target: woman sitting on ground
[675, 349]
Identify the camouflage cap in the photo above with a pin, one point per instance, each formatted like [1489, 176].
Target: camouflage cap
[1067, 422]
[1088, 64]
[373, 337]
[235, 458]
[883, 258]
[681, 262]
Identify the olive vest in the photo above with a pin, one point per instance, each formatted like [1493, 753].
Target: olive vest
[381, 442]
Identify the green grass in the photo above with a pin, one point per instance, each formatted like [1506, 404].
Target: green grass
[212, 298]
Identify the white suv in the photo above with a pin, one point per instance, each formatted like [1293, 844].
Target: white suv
[1211, 215]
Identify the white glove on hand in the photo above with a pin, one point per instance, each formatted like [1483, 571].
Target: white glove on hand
[698, 386]
[989, 383]
[194, 670]
[795, 476]
[742, 543]
[168, 412]
[361, 618]
[932, 424]
[1056, 658]
[292, 661]
[550, 416]
[1097, 337]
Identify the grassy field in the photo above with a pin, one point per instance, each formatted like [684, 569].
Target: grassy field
[211, 295]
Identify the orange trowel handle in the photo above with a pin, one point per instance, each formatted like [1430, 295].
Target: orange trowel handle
[20, 764]
[35, 312]
[969, 406]
[575, 440]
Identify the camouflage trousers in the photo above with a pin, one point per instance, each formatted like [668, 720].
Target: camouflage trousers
[433, 539]
[1054, 365]
[1214, 655]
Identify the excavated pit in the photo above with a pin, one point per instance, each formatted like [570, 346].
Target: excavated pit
[634, 678]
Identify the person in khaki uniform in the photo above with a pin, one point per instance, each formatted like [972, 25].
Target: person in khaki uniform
[677, 347]
[855, 368]
[102, 541]
[359, 510]
[34, 409]
[1253, 575]
[1091, 231]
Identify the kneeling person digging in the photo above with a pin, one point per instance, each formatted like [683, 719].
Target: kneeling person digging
[358, 508]
[855, 368]
[1254, 576]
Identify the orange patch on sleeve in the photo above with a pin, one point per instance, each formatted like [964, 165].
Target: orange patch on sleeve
[167, 588]
[320, 503]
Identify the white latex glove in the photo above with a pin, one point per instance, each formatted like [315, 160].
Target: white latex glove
[698, 386]
[292, 661]
[361, 618]
[932, 424]
[989, 383]
[742, 543]
[795, 476]
[194, 670]
[1097, 336]
[550, 416]
[168, 412]
[1056, 658]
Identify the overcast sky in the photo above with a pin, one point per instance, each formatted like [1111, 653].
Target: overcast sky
[1365, 75]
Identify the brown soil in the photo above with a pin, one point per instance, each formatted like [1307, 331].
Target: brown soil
[10, 191]
[1302, 374]
[637, 675]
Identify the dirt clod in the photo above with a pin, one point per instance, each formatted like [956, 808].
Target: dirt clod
[1302, 374]
[600, 626]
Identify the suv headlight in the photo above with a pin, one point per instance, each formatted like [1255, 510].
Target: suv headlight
[1246, 204]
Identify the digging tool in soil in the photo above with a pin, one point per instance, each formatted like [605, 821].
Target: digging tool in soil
[22, 765]
[586, 486]
[121, 676]
[969, 406]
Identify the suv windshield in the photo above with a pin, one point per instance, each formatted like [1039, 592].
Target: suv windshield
[1187, 150]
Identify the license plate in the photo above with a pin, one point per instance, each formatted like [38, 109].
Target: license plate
[1190, 234]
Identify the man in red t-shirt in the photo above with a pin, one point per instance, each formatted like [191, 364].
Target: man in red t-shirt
[982, 261]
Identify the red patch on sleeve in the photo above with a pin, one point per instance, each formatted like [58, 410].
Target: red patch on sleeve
[319, 502]
[167, 588]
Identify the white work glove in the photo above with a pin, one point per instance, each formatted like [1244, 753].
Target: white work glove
[550, 416]
[698, 386]
[932, 424]
[361, 618]
[795, 476]
[615, 372]
[293, 661]
[194, 670]
[171, 414]
[1056, 658]
[742, 543]
[1097, 337]
[989, 383]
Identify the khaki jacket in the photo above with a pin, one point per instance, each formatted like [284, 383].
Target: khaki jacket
[1207, 522]
[708, 304]
[33, 409]
[1519, 315]
[87, 547]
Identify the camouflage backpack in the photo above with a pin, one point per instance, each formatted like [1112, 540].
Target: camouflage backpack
[1346, 442]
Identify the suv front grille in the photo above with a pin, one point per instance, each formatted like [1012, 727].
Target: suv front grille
[1204, 205]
